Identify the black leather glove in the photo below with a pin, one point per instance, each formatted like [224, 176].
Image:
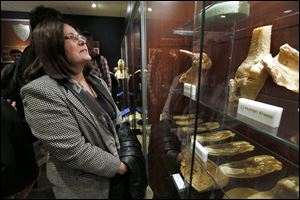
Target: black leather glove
[119, 187]
[131, 154]
[137, 176]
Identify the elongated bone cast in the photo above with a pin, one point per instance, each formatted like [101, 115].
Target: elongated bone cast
[251, 74]
[191, 75]
[284, 68]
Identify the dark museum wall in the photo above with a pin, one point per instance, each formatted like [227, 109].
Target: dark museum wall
[108, 31]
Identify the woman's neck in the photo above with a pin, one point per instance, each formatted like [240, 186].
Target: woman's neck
[79, 77]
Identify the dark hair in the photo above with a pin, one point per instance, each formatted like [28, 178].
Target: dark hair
[48, 45]
[86, 33]
[41, 13]
[15, 51]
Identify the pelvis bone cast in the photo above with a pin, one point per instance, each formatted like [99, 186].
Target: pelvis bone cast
[191, 75]
[251, 74]
[284, 68]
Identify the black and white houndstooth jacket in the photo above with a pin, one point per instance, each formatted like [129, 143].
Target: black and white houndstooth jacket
[82, 153]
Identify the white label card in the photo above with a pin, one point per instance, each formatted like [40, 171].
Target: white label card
[261, 112]
[189, 90]
[200, 151]
[178, 181]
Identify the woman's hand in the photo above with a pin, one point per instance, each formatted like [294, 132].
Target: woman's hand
[122, 168]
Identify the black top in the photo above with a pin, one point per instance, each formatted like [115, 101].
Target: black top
[106, 106]
[18, 164]
[104, 98]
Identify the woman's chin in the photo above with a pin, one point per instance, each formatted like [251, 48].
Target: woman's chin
[87, 59]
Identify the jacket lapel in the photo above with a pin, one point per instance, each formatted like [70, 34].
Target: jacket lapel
[83, 108]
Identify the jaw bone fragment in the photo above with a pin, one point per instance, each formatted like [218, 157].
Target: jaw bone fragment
[284, 68]
[251, 75]
[191, 75]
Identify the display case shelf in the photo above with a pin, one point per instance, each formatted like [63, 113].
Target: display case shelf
[277, 133]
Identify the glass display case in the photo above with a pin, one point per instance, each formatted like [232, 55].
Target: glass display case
[252, 46]
[216, 84]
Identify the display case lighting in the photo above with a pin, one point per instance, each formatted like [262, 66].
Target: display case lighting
[287, 11]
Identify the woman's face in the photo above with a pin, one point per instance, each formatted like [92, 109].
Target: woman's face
[75, 47]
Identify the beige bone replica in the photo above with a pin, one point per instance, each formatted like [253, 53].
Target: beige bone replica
[191, 75]
[284, 68]
[121, 72]
[251, 74]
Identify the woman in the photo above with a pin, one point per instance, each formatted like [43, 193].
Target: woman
[83, 149]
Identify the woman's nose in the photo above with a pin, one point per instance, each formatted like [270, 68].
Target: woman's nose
[81, 42]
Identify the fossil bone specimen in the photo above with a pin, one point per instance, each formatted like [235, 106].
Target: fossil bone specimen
[251, 75]
[284, 68]
[184, 117]
[121, 72]
[239, 193]
[287, 188]
[201, 180]
[251, 167]
[188, 122]
[229, 149]
[201, 127]
[215, 136]
[191, 75]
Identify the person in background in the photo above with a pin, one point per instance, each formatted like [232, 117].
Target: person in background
[19, 169]
[15, 54]
[99, 63]
[86, 149]
[17, 132]
[12, 82]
